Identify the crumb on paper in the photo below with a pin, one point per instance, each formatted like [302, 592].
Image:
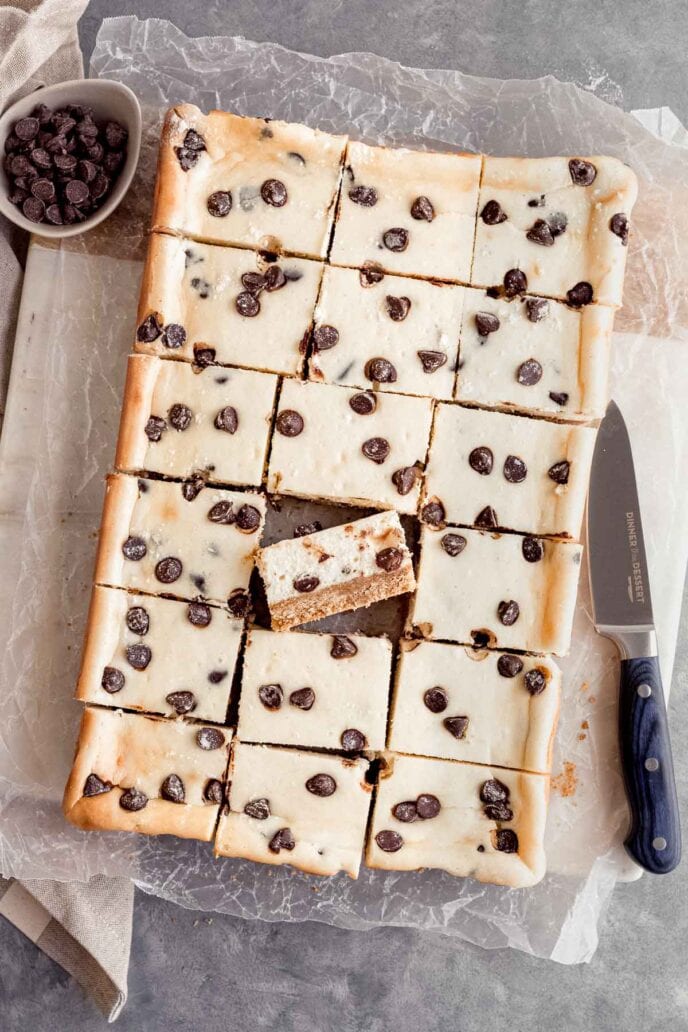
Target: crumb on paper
[585, 686]
[585, 725]
[566, 782]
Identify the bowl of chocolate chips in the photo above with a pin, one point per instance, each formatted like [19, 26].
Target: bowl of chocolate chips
[69, 153]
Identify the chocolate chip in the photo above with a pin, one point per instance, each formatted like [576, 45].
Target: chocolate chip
[199, 614]
[580, 295]
[289, 423]
[494, 791]
[486, 323]
[248, 518]
[88, 170]
[498, 812]
[342, 647]
[112, 680]
[282, 839]
[404, 479]
[298, 158]
[515, 469]
[433, 513]
[370, 274]
[209, 738]
[395, 239]
[352, 740]
[213, 792]
[397, 307]
[515, 282]
[53, 215]
[557, 223]
[259, 809]
[217, 676]
[509, 666]
[529, 372]
[422, 209]
[168, 570]
[619, 227]
[94, 786]
[456, 726]
[559, 472]
[132, 800]
[33, 209]
[364, 404]
[219, 203]
[275, 279]
[559, 397]
[302, 698]
[274, 193]
[493, 213]
[172, 789]
[540, 233]
[222, 513]
[532, 549]
[364, 195]
[508, 612]
[26, 128]
[180, 417]
[431, 361]
[405, 812]
[154, 428]
[389, 559]
[43, 189]
[174, 336]
[436, 699]
[321, 785]
[535, 681]
[186, 158]
[325, 337]
[137, 620]
[238, 603]
[138, 656]
[194, 141]
[536, 308]
[181, 702]
[271, 696]
[506, 840]
[149, 330]
[427, 806]
[389, 841]
[303, 529]
[481, 460]
[453, 544]
[305, 584]
[487, 518]
[376, 449]
[583, 173]
[227, 420]
[380, 370]
[203, 356]
[134, 548]
[247, 304]
[41, 159]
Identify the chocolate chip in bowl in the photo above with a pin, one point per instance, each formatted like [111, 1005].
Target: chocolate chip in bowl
[69, 153]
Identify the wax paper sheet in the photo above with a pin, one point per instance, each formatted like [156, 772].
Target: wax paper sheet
[75, 330]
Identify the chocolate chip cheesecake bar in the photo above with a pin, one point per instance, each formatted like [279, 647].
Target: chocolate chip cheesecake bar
[336, 570]
[472, 821]
[305, 809]
[147, 774]
[343, 445]
[480, 705]
[159, 655]
[183, 421]
[326, 691]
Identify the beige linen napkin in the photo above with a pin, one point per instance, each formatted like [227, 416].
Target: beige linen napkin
[84, 926]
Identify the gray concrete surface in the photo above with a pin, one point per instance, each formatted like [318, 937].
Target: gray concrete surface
[191, 971]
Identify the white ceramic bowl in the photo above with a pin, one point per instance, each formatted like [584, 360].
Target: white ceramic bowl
[109, 100]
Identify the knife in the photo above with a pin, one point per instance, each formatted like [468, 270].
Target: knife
[622, 611]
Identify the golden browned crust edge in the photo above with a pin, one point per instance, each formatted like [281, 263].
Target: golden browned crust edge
[142, 374]
[121, 493]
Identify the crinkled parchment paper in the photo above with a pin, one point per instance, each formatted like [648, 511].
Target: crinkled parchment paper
[75, 330]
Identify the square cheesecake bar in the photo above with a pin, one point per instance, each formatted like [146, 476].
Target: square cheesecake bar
[228, 305]
[342, 445]
[181, 420]
[391, 332]
[336, 570]
[147, 774]
[501, 591]
[554, 226]
[186, 540]
[325, 691]
[494, 470]
[477, 705]
[407, 211]
[472, 821]
[159, 655]
[250, 181]
[534, 355]
[305, 809]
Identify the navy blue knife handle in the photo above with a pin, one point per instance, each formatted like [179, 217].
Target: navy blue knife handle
[654, 840]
